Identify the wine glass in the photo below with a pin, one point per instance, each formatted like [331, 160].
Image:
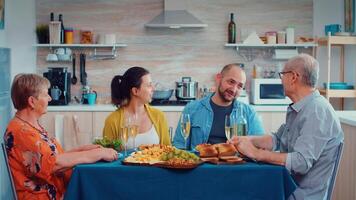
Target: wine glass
[132, 126]
[125, 138]
[230, 126]
[185, 126]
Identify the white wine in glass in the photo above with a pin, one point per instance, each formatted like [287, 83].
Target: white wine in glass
[230, 126]
[125, 137]
[185, 126]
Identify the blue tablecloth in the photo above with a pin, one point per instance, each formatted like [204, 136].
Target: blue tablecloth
[116, 181]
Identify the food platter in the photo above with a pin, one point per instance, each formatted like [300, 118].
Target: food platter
[163, 156]
[219, 154]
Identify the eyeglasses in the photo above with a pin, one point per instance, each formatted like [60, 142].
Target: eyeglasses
[281, 74]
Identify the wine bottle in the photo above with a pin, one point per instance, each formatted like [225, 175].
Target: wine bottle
[232, 30]
[52, 16]
[60, 18]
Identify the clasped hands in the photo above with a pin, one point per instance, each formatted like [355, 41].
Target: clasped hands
[245, 146]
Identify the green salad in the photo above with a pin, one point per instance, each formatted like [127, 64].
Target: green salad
[105, 142]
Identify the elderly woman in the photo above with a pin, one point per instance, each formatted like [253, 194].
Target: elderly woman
[40, 167]
[131, 93]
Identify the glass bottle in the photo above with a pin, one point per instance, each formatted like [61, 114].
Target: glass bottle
[52, 16]
[60, 18]
[241, 122]
[232, 30]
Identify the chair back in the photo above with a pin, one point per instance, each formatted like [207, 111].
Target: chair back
[9, 171]
[335, 171]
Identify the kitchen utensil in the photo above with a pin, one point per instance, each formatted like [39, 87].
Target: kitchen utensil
[162, 94]
[83, 74]
[187, 89]
[74, 78]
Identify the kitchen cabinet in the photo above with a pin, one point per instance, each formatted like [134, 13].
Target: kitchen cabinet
[71, 129]
[346, 178]
[339, 41]
[272, 120]
[99, 122]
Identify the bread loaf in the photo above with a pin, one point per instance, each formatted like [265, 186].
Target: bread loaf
[225, 149]
[206, 150]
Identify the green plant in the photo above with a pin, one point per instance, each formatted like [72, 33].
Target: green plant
[105, 142]
[42, 32]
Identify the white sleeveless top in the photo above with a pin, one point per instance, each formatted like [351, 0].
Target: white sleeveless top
[149, 137]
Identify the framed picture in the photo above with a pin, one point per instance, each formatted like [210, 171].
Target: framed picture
[2, 14]
[349, 15]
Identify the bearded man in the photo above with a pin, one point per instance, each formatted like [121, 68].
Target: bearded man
[207, 115]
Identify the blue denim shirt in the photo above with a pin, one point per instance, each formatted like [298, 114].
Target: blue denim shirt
[201, 117]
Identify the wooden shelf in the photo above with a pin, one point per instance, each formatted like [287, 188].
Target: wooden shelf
[337, 40]
[82, 45]
[305, 45]
[338, 93]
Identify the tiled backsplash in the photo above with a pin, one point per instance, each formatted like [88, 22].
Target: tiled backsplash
[172, 53]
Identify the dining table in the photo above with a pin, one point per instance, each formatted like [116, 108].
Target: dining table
[114, 180]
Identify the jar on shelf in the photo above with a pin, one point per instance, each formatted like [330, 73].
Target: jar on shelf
[68, 35]
[281, 37]
[86, 37]
[271, 37]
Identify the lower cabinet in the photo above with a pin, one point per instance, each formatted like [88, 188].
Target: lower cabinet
[272, 120]
[346, 177]
[71, 129]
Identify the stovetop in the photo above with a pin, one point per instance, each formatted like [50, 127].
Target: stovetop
[169, 102]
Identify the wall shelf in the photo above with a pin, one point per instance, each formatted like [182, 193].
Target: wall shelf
[248, 49]
[96, 55]
[339, 41]
[305, 45]
[81, 45]
[338, 93]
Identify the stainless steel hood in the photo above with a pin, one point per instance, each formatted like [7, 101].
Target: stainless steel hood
[175, 15]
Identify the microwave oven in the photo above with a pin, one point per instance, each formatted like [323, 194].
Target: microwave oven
[269, 92]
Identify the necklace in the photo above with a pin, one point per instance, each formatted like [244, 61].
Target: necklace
[42, 131]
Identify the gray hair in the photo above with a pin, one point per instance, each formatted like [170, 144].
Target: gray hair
[308, 66]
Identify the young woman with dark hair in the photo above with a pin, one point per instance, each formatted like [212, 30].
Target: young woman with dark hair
[131, 93]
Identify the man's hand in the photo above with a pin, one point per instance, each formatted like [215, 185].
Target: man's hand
[244, 145]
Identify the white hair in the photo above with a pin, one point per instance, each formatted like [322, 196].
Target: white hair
[308, 66]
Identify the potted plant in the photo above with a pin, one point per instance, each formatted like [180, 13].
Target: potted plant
[42, 32]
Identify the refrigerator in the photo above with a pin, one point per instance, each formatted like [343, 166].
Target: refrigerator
[5, 116]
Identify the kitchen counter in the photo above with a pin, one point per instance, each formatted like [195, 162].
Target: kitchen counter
[110, 108]
[347, 117]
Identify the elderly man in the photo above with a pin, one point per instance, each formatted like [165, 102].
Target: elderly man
[309, 140]
[207, 115]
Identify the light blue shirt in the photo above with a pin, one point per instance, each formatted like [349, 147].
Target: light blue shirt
[201, 117]
[310, 136]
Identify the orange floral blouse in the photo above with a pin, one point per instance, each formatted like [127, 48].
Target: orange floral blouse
[32, 157]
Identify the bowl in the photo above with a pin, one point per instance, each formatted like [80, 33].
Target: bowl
[162, 94]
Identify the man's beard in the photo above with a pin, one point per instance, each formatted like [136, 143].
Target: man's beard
[221, 94]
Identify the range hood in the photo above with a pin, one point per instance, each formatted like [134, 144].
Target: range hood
[175, 15]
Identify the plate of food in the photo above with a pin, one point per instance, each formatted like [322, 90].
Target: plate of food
[222, 153]
[163, 156]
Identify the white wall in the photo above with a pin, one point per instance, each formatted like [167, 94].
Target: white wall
[19, 36]
[332, 12]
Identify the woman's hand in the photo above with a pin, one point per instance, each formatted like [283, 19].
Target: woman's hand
[107, 154]
[89, 147]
